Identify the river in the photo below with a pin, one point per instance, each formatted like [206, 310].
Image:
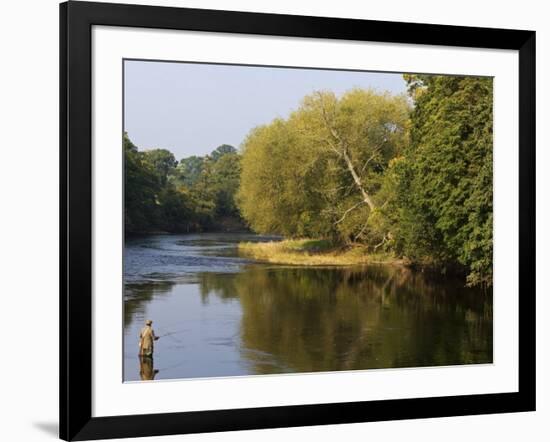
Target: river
[220, 314]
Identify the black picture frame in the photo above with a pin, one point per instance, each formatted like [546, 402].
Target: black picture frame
[76, 21]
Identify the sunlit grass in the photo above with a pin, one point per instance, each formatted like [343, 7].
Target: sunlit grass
[312, 252]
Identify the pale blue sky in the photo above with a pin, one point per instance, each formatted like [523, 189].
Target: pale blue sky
[191, 109]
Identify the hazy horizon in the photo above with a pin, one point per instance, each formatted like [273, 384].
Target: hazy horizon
[191, 108]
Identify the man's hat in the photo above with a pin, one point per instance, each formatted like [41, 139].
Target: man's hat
[148, 322]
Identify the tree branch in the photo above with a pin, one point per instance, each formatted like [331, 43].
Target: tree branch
[376, 150]
[344, 154]
[348, 211]
[361, 231]
[381, 243]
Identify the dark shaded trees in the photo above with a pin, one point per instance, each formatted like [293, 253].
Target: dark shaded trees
[194, 195]
[221, 151]
[188, 170]
[162, 161]
[226, 172]
[140, 189]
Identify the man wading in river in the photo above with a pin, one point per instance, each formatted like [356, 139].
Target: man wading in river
[146, 339]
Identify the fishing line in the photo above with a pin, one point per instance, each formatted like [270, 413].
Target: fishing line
[171, 334]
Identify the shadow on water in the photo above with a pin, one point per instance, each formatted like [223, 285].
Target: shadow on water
[266, 319]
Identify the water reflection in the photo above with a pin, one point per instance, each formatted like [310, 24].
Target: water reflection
[333, 319]
[147, 370]
[136, 296]
[265, 319]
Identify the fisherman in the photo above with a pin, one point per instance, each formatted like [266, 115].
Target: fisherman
[146, 339]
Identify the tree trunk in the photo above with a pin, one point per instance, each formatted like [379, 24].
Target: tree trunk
[357, 180]
[343, 151]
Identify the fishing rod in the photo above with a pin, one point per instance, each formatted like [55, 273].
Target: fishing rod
[171, 335]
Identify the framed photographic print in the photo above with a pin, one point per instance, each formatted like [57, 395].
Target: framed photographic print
[273, 220]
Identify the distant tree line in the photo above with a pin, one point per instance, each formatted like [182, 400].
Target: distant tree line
[192, 195]
[409, 175]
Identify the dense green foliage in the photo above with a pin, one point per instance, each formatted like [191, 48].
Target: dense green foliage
[163, 163]
[412, 177]
[195, 194]
[189, 170]
[319, 173]
[444, 195]
[409, 176]
[141, 187]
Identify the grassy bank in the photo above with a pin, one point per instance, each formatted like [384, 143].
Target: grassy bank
[310, 252]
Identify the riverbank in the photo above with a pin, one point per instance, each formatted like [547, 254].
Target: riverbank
[310, 252]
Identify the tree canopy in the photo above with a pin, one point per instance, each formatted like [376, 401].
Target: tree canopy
[319, 173]
[163, 163]
[444, 184]
[409, 175]
[195, 194]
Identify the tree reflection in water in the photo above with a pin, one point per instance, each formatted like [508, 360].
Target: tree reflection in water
[298, 319]
[137, 295]
[329, 319]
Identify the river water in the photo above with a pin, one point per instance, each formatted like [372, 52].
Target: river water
[219, 314]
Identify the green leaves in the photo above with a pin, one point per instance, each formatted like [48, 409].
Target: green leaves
[444, 189]
[141, 187]
[409, 176]
[318, 173]
[193, 195]
[162, 161]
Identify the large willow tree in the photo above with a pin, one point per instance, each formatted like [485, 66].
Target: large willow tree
[319, 172]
